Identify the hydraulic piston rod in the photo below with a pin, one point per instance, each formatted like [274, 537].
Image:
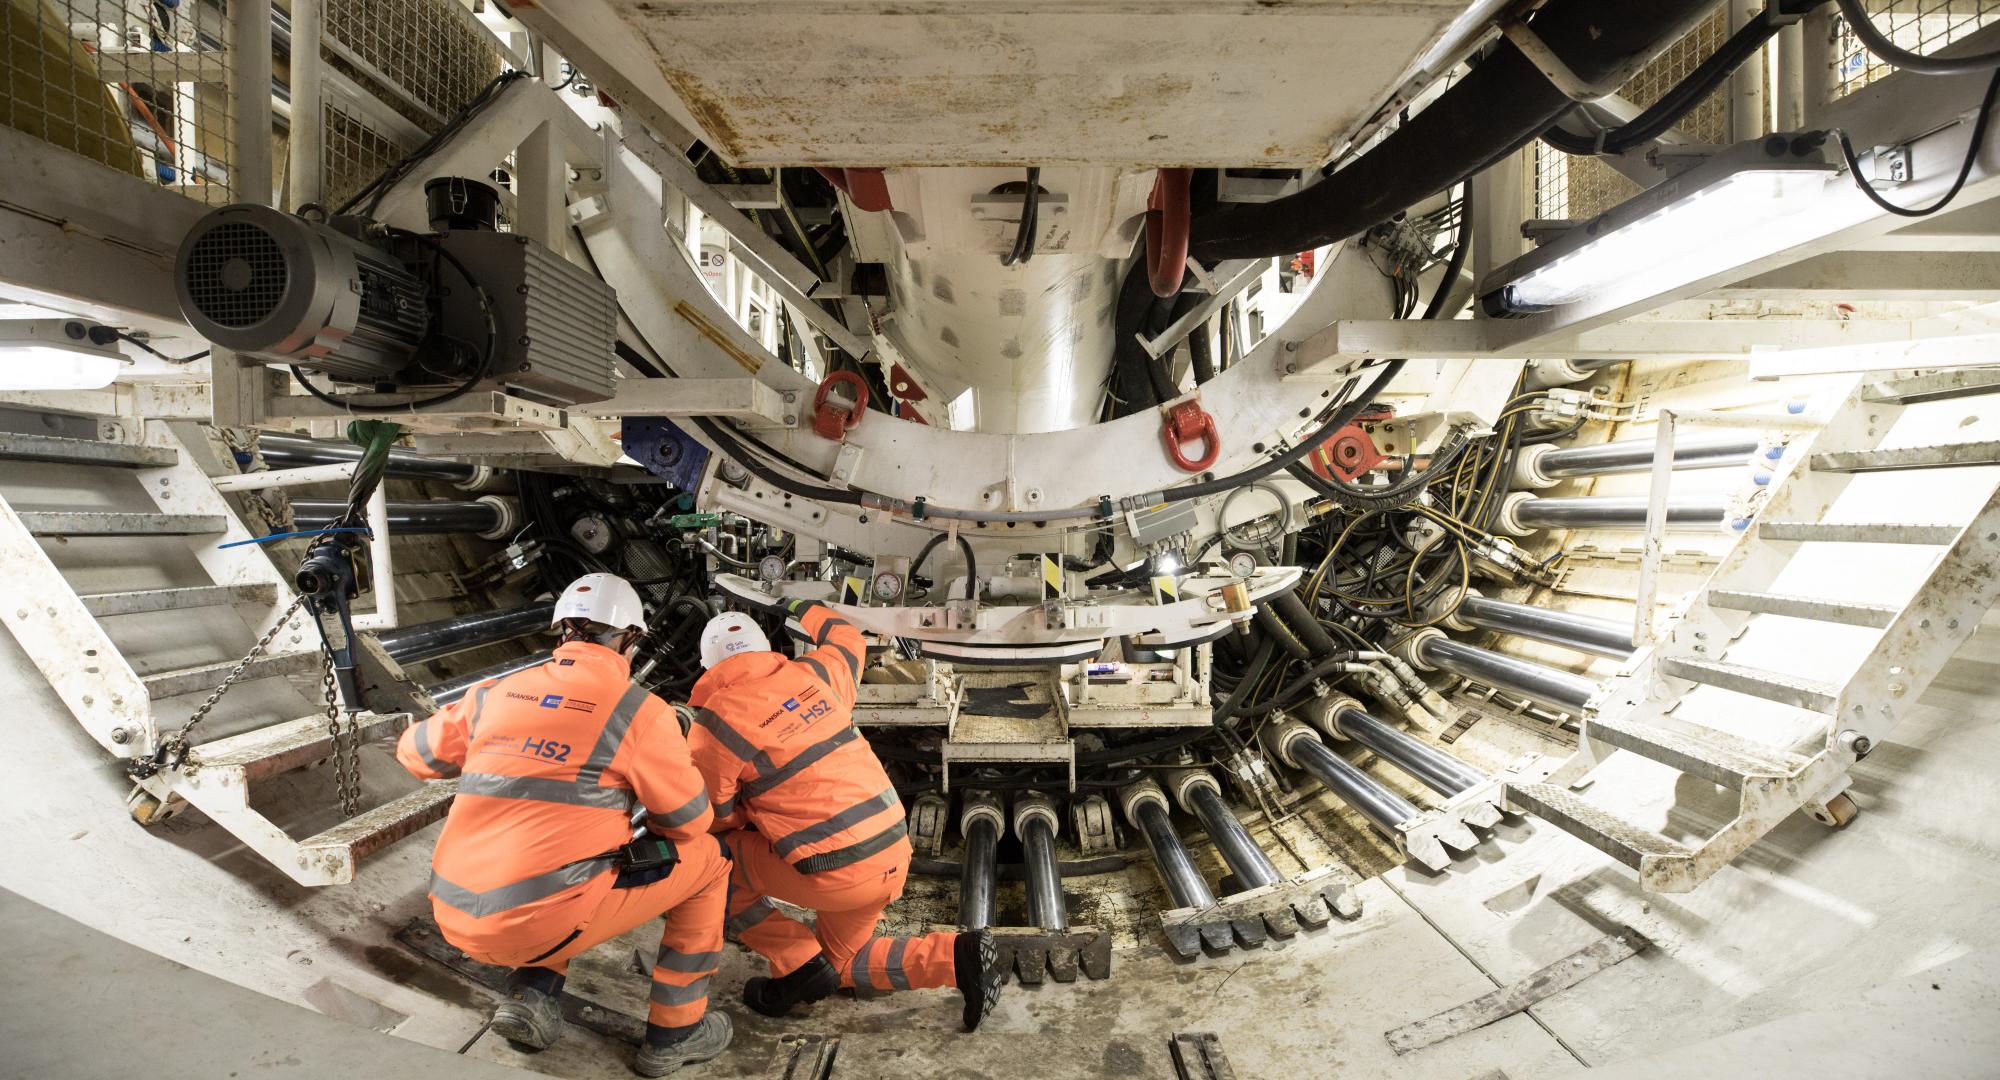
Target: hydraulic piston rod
[1524, 513]
[1585, 633]
[1550, 686]
[491, 516]
[981, 823]
[442, 637]
[292, 451]
[1548, 464]
[1299, 747]
[1432, 767]
[1146, 807]
[1035, 823]
[451, 690]
[1201, 796]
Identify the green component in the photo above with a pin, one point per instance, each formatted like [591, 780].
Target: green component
[694, 521]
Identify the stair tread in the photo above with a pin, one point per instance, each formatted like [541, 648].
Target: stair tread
[163, 684]
[119, 523]
[1613, 835]
[1858, 532]
[1758, 682]
[373, 830]
[294, 744]
[137, 601]
[1942, 455]
[1849, 612]
[14, 447]
[1699, 751]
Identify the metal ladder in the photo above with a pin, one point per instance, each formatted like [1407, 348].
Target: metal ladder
[72, 633]
[1920, 632]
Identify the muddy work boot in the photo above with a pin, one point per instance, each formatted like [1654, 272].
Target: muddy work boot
[531, 1018]
[814, 980]
[709, 1039]
[976, 960]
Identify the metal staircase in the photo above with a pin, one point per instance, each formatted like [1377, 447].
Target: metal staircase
[1920, 632]
[110, 603]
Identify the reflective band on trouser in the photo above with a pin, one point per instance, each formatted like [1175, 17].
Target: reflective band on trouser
[838, 823]
[753, 912]
[527, 891]
[903, 963]
[438, 765]
[675, 818]
[848, 856]
[804, 760]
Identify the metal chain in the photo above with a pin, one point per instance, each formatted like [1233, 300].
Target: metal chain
[173, 751]
[346, 743]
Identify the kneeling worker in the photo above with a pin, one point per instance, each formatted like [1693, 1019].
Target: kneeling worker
[538, 862]
[814, 821]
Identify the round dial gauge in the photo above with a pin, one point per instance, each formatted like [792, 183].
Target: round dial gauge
[1243, 564]
[888, 586]
[771, 567]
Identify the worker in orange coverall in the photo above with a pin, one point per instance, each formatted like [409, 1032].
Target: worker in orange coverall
[812, 819]
[539, 862]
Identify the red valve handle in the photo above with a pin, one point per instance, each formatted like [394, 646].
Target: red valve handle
[832, 422]
[1186, 423]
[1167, 219]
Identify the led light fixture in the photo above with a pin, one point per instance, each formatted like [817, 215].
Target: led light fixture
[1722, 214]
[56, 354]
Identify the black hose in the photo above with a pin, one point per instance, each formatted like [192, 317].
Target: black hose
[1498, 107]
[1201, 355]
[1876, 42]
[1291, 690]
[1244, 685]
[1677, 102]
[1288, 607]
[1275, 630]
[1341, 417]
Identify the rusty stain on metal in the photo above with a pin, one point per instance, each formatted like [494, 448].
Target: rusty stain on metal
[710, 331]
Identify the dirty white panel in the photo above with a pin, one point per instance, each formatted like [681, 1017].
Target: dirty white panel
[1141, 82]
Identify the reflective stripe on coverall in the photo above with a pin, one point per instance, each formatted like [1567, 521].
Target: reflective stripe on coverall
[776, 741]
[552, 763]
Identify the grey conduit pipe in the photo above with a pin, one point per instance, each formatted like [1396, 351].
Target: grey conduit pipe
[1035, 823]
[1546, 465]
[1584, 633]
[1200, 795]
[981, 823]
[451, 690]
[1524, 513]
[442, 637]
[292, 451]
[490, 516]
[1345, 718]
[1300, 747]
[1432, 651]
[1146, 807]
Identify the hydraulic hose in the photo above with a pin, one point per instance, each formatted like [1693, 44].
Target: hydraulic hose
[1878, 43]
[1498, 107]
[1292, 610]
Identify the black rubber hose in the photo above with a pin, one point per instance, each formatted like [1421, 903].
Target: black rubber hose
[1677, 102]
[1287, 606]
[1863, 26]
[1498, 107]
[1341, 417]
[1275, 630]
[1244, 685]
[1201, 355]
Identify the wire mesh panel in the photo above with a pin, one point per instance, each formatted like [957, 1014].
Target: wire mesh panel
[138, 86]
[1920, 26]
[355, 154]
[425, 58]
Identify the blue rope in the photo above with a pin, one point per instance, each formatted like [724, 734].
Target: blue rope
[290, 536]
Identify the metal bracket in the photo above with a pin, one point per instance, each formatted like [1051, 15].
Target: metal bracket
[1558, 71]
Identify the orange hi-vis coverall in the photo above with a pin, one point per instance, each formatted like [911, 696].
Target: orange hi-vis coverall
[552, 764]
[776, 741]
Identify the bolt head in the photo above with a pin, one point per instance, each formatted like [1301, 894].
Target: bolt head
[121, 736]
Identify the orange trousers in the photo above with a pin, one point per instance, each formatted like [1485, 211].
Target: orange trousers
[693, 899]
[847, 903]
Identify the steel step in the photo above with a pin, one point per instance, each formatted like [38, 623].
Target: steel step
[1771, 686]
[168, 684]
[372, 830]
[1803, 607]
[1713, 755]
[1937, 386]
[1857, 533]
[84, 452]
[1614, 836]
[103, 523]
[104, 605]
[1910, 457]
[281, 748]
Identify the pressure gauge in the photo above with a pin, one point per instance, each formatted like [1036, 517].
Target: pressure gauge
[888, 586]
[1243, 564]
[771, 567]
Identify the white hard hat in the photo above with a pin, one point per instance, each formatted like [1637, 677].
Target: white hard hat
[728, 634]
[601, 598]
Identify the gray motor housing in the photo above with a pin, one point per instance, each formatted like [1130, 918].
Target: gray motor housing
[558, 323]
[282, 289]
